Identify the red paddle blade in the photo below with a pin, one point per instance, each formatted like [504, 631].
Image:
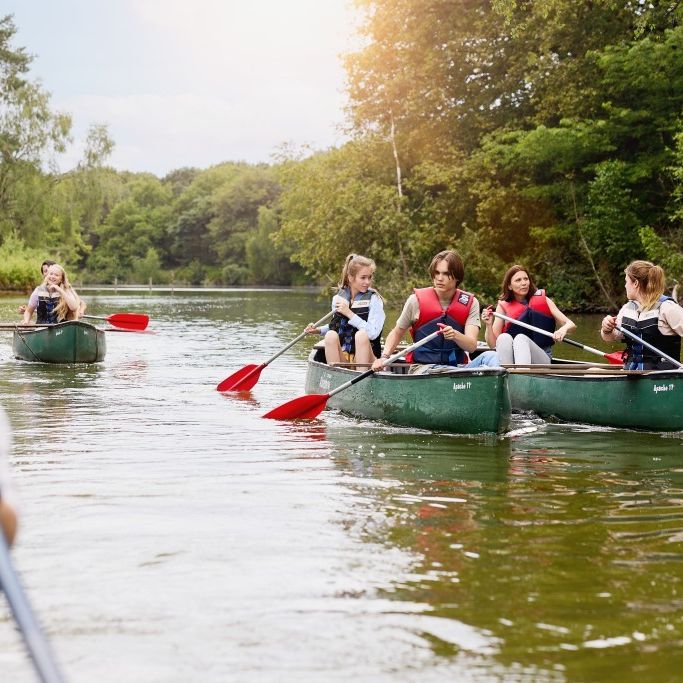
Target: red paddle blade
[243, 379]
[128, 321]
[615, 358]
[302, 408]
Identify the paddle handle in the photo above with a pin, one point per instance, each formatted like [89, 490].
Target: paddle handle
[385, 362]
[322, 320]
[571, 342]
[636, 338]
[36, 643]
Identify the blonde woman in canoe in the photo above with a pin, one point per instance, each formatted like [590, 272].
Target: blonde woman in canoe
[650, 315]
[353, 334]
[520, 299]
[54, 300]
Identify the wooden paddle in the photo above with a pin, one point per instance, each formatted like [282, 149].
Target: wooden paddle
[245, 378]
[36, 642]
[127, 321]
[311, 405]
[614, 358]
[636, 338]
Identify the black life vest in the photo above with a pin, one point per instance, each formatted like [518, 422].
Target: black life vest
[439, 350]
[646, 326]
[535, 312]
[347, 332]
[45, 311]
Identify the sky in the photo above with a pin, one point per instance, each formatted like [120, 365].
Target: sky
[195, 83]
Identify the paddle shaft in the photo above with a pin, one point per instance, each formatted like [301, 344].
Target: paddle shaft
[654, 349]
[26, 327]
[385, 361]
[571, 342]
[322, 320]
[36, 643]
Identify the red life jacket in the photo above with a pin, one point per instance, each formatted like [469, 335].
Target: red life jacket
[439, 350]
[536, 312]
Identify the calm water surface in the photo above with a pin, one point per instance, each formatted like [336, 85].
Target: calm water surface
[170, 534]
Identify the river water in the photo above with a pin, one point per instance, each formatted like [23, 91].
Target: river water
[170, 534]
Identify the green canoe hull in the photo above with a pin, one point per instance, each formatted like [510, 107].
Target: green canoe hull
[69, 342]
[460, 401]
[652, 401]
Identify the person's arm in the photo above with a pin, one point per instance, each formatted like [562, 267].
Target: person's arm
[70, 297]
[467, 340]
[494, 326]
[28, 314]
[322, 330]
[30, 308]
[392, 341]
[8, 520]
[608, 327]
[8, 517]
[671, 314]
[565, 324]
[376, 317]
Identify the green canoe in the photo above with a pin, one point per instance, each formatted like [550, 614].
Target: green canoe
[68, 342]
[458, 401]
[637, 400]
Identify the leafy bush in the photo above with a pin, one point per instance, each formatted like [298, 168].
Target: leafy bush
[19, 265]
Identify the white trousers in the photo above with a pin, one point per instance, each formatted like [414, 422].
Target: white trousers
[520, 349]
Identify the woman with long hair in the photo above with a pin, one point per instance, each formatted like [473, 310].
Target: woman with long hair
[648, 314]
[55, 300]
[353, 334]
[520, 299]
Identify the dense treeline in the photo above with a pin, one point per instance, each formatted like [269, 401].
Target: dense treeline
[513, 130]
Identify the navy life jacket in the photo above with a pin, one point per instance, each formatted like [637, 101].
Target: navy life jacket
[347, 332]
[45, 311]
[638, 356]
[535, 312]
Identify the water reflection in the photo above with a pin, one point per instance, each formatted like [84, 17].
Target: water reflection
[171, 534]
[527, 539]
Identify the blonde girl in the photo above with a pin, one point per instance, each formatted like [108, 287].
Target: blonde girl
[354, 332]
[55, 300]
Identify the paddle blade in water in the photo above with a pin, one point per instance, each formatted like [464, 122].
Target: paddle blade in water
[242, 380]
[615, 358]
[302, 408]
[129, 321]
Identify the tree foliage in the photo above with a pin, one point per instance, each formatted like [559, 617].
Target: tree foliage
[547, 133]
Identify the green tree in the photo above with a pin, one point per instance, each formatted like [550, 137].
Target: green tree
[135, 225]
[30, 133]
[267, 263]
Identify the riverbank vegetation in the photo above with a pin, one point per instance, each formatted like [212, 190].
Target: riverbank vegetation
[548, 133]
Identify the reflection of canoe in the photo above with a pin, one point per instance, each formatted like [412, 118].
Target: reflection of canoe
[68, 342]
[459, 401]
[609, 397]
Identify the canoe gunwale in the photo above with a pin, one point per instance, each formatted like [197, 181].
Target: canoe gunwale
[349, 369]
